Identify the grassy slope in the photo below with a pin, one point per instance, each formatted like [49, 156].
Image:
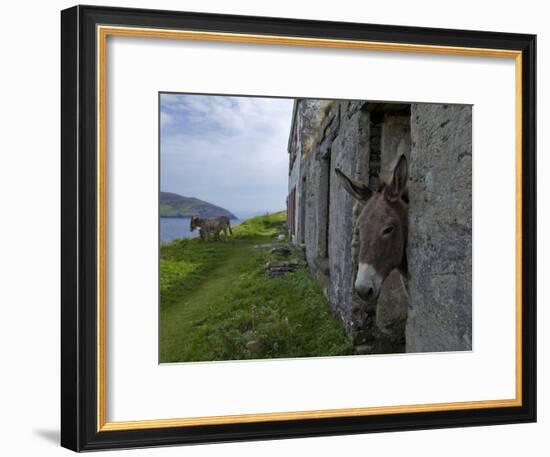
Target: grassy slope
[178, 209]
[179, 206]
[216, 298]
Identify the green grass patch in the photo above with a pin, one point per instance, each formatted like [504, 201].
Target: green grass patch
[173, 272]
[218, 304]
[186, 264]
[268, 227]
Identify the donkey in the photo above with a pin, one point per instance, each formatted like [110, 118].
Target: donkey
[211, 226]
[383, 229]
[196, 223]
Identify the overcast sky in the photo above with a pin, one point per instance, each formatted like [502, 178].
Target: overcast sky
[229, 151]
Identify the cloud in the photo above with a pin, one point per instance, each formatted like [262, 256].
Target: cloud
[230, 151]
[166, 119]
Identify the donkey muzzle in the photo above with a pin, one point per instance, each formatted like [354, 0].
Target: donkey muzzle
[368, 283]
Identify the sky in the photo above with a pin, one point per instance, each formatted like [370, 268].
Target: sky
[229, 151]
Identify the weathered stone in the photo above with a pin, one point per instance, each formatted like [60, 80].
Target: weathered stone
[272, 245]
[440, 229]
[253, 345]
[276, 269]
[362, 349]
[353, 106]
[281, 250]
[349, 152]
[395, 141]
[392, 307]
[330, 128]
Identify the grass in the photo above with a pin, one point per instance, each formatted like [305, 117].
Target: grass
[218, 304]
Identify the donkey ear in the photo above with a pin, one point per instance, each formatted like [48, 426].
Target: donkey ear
[398, 185]
[357, 189]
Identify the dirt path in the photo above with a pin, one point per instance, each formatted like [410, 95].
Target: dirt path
[181, 317]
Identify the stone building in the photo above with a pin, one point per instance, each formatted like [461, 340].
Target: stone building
[365, 140]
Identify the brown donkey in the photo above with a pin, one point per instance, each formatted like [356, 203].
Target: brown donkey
[209, 227]
[383, 228]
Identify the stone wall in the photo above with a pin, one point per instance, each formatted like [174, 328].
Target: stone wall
[349, 150]
[327, 213]
[365, 140]
[440, 229]
[307, 118]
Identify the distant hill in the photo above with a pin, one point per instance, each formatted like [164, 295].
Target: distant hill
[174, 205]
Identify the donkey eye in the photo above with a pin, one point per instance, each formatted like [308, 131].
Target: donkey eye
[387, 230]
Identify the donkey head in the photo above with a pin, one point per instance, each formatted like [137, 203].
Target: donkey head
[383, 229]
[196, 222]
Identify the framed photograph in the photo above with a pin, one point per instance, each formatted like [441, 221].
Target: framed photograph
[277, 228]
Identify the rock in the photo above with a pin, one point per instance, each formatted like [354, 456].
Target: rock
[439, 247]
[392, 307]
[363, 349]
[276, 269]
[271, 246]
[281, 237]
[281, 250]
[253, 345]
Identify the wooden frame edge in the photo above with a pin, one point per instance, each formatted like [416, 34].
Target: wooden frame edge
[304, 415]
